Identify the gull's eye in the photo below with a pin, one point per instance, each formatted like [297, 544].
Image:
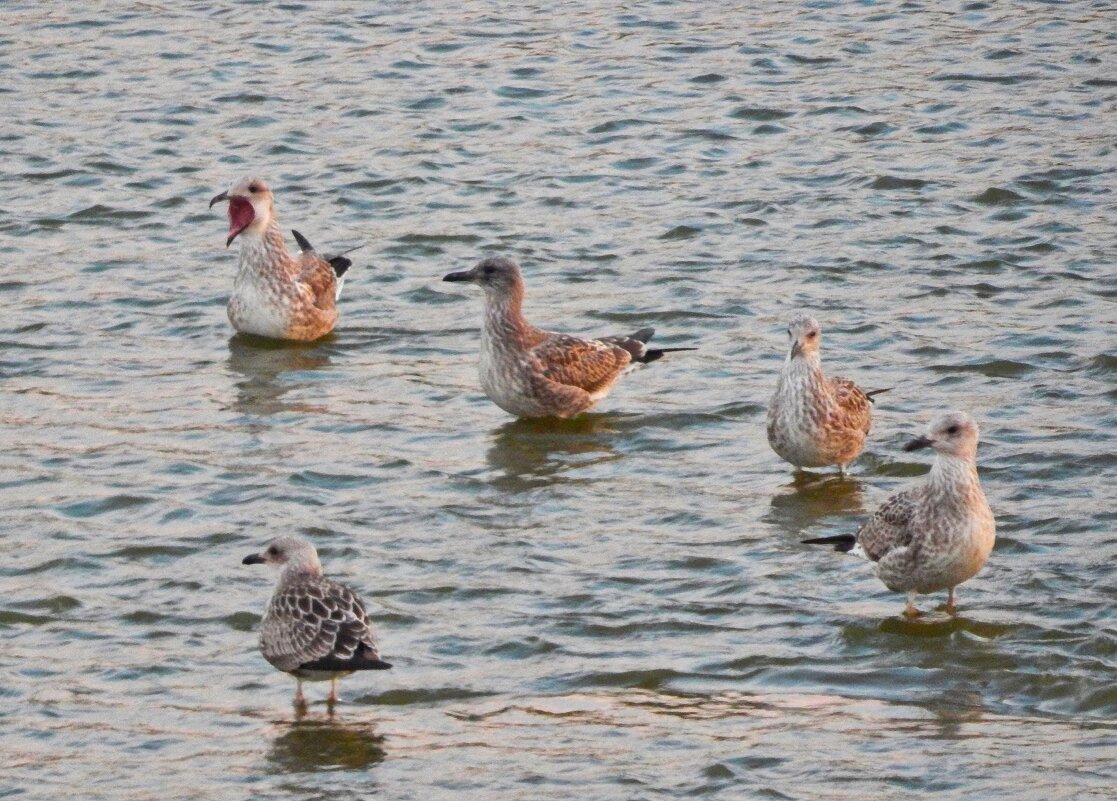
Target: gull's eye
[272, 551]
[253, 188]
[812, 335]
[952, 430]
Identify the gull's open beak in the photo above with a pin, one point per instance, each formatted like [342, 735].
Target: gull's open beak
[219, 198]
[918, 443]
[253, 559]
[466, 275]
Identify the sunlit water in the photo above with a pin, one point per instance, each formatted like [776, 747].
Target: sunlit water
[614, 608]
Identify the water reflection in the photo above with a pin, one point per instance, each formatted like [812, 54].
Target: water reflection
[263, 362]
[811, 497]
[318, 744]
[935, 624]
[531, 453]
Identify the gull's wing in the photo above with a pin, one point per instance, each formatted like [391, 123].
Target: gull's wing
[889, 527]
[318, 625]
[853, 406]
[589, 364]
[319, 279]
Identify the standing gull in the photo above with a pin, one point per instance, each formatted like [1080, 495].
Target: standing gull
[315, 628]
[936, 535]
[815, 421]
[275, 294]
[529, 372]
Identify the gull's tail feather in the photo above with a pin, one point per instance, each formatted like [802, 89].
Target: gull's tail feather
[843, 543]
[340, 264]
[357, 662]
[637, 345]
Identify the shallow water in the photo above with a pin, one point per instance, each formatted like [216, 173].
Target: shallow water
[616, 607]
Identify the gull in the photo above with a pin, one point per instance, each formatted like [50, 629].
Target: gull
[529, 372]
[938, 534]
[275, 294]
[815, 421]
[315, 628]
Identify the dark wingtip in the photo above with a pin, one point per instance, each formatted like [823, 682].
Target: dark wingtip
[655, 354]
[358, 662]
[341, 265]
[643, 335]
[843, 543]
[304, 244]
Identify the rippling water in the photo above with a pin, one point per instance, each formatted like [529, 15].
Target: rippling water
[613, 608]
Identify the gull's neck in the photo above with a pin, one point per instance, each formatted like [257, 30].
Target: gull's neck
[505, 327]
[803, 375]
[303, 568]
[953, 481]
[265, 253]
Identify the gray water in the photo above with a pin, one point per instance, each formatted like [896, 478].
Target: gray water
[613, 608]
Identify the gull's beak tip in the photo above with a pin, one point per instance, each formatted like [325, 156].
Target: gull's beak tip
[918, 443]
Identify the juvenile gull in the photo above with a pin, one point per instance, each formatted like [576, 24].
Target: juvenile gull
[314, 628]
[815, 421]
[529, 372]
[936, 535]
[275, 294]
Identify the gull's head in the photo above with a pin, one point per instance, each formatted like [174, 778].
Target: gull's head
[951, 434]
[496, 275]
[805, 334]
[250, 207]
[290, 553]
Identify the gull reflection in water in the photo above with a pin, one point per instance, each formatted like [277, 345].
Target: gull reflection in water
[310, 745]
[811, 497]
[263, 363]
[529, 453]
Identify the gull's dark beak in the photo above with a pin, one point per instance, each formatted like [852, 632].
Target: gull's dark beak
[918, 443]
[253, 559]
[466, 275]
[796, 349]
[219, 198]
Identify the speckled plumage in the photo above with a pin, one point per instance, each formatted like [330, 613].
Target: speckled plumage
[315, 628]
[938, 534]
[813, 420]
[530, 372]
[276, 294]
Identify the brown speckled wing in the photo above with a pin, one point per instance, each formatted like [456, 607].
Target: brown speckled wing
[889, 526]
[314, 620]
[316, 274]
[854, 406]
[588, 364]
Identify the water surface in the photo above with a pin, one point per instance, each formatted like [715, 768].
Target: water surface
[616, 607]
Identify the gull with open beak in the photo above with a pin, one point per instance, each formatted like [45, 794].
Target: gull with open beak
[276, 294]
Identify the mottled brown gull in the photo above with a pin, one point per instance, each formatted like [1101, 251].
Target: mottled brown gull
[276, 294]
[813, 420]
[315, 628]
[530, 372]
[938, 534]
